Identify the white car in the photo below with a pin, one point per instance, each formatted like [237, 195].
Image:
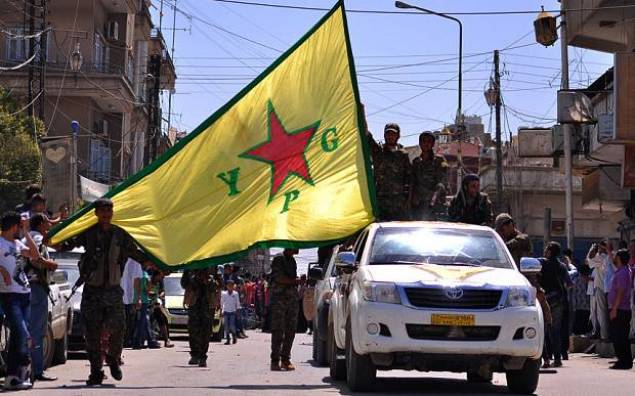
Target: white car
[324, 276]
[433, 297]
[58, 326]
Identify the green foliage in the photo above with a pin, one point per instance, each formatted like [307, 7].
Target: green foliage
[19, 151]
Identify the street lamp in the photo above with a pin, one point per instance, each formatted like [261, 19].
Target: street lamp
[545, 28]
[459, 112]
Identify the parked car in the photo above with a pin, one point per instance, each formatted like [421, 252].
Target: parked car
[433, 297]
[177, 313]
[324, 277]
[68, 262]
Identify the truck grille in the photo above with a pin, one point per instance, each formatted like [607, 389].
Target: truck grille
[177, 311]
[436, 298]
[464, 333]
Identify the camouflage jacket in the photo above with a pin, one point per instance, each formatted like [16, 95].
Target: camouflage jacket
[200, 288]
[519, 246]
[478, 212]
[392, 170]
[106, 253]
[283, 266]
[426, 174]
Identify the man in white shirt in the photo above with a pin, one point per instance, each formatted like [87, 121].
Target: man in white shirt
[15, 297]
[597, 259]
[131, 286]
[230, 303]
[39, 274]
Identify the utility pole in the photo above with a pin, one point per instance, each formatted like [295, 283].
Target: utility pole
[172, 55]
[499, 149]
[154, 112]
[36, 11]
[566, 129]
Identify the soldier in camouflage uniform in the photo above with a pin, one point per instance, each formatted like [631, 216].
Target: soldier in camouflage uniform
[519, 244]
[470, 205]
[107, 248]
[428, 171]
[284, 309]
[201, 298]
[392, 170]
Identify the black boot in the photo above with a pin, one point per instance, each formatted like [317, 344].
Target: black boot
[115, 371]
[194, 361]
[234, 340]
[95, 378]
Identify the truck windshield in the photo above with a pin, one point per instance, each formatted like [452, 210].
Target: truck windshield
[442, 246]
[173, 287]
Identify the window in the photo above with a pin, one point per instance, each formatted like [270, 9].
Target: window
[101, 54]
[100, 160]
[141, 69]
[361, 244]
[17, 48]
[441, 246]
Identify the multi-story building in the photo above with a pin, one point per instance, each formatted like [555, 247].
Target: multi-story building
[107, 90]
[608, 163]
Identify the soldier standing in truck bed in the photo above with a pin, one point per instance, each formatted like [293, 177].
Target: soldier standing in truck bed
[392, 171]
[428, 171]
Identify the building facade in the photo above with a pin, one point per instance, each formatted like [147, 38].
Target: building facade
[108, 95]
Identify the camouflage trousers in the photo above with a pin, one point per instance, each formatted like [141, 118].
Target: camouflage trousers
[284, 322]
[392, 208]
[103, 314]
[199, 327]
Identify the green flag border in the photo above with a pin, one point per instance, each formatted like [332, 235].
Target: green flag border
[279, 243]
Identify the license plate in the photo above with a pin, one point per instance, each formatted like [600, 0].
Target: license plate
[453, 320]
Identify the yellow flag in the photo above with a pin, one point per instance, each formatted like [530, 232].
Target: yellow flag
[283, 164]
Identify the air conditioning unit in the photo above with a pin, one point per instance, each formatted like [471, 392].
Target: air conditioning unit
[112, 31]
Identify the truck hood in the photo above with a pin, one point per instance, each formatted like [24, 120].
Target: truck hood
[432, 274]
[174, 301]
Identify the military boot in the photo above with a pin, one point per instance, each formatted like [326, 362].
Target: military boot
[95, 378]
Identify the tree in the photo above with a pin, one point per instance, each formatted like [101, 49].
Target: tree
[20, 157]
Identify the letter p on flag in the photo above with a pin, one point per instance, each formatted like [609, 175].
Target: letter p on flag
[283, 163]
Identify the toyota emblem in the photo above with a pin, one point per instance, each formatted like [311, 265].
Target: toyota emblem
[454, 293]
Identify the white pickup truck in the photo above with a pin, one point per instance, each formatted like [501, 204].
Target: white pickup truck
[433, 297]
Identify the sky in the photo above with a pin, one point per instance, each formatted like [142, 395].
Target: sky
[213, 63]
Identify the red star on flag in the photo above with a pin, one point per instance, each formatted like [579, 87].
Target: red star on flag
[284, 151]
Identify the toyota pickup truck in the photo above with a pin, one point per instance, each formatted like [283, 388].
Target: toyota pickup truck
[433, 296]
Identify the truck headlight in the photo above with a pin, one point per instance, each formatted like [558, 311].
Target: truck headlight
[521, 297]
[383, 292]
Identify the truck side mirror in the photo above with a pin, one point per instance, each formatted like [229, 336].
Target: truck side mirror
[316, 273]
[530, 265]
[345, 262]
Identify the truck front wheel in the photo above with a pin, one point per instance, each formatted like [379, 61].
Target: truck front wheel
[337, 366]
[525, 380]
[360, 370]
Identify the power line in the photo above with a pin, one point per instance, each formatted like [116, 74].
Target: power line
[466, 13]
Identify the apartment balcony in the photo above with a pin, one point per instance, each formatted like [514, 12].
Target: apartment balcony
[109, 84]
[168, 71]
[602, 25]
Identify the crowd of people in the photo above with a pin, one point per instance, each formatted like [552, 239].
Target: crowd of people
[594, 298]
[123, 290]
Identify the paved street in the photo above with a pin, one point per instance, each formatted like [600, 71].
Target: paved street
[243, 369]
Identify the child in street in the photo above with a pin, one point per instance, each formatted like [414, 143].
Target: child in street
[230, 304]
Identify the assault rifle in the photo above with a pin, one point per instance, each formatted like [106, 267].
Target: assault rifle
[86, 269]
